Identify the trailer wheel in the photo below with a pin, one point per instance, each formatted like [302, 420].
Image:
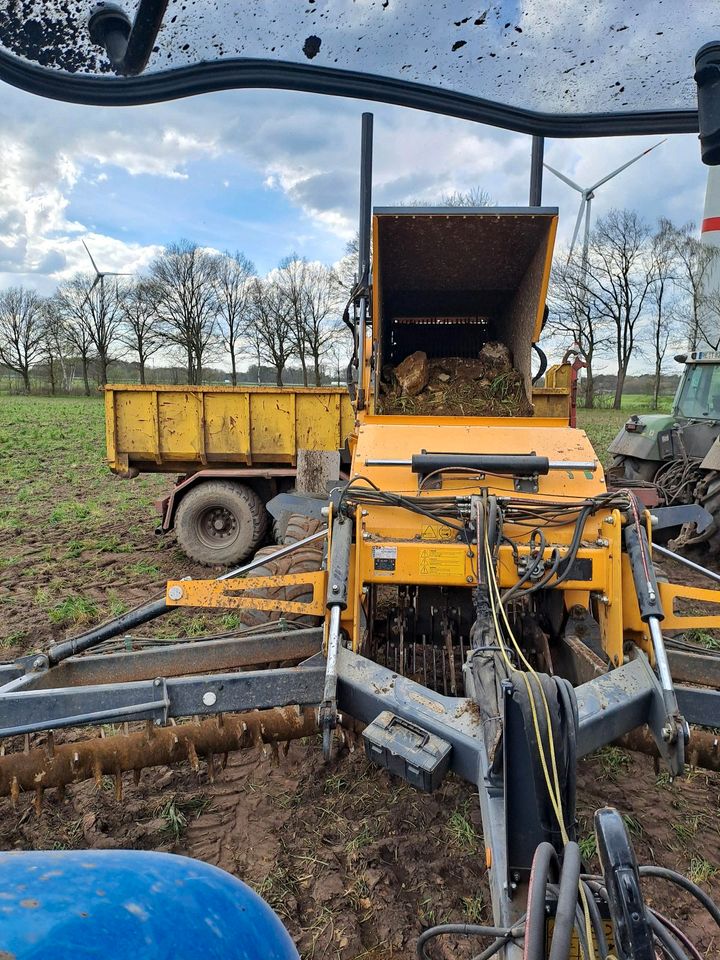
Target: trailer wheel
[303, 560]
[220, 522]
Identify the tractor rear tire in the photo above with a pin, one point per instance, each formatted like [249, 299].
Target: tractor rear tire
[220, 522]
[710, 500]
[303, 560]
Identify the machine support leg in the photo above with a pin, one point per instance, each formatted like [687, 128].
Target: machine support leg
[674, 729]
[337, 596]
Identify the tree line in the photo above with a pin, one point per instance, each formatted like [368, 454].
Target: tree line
[194, 305]
[638, 292]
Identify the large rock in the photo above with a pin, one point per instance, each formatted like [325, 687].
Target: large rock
[412, 374]
[497, 354]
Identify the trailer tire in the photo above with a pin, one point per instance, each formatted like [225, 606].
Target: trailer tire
[220, 522]
[303, 560]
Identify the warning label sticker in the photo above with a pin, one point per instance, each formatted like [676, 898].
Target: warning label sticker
[442, 564]
[436, 531]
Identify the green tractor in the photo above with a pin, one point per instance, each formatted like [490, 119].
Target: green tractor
[673, 460]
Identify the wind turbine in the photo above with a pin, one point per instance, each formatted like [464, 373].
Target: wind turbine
[100, 276]
[587, 195]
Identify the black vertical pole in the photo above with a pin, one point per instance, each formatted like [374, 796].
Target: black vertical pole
[366, 147]
[536, 171]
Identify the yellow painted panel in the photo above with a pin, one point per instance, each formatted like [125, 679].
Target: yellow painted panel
[317, 418]
[272, 426]
[134, 420]
[159, 427]
[178, 419]
[227, 426]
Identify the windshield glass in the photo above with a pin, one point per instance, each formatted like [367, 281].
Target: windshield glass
[700, 392]
[552, 56]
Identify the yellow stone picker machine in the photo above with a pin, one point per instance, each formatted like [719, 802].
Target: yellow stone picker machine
[472, 595]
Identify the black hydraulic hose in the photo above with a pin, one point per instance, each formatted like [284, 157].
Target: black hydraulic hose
[674, 931]
[544, 860]
[568, 700]
[596, 921]
[566, 904]
[663, 873]
[534, 561]
[128, 621]
[668, 943]
[463, 930]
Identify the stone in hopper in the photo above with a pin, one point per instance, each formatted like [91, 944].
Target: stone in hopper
[498, 354]
[412, 374]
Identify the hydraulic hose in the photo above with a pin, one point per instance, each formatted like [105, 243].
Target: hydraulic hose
[663, 873]
[597, 923]
[669, 944]
[567, 903]
[544, 860]
[464, 930]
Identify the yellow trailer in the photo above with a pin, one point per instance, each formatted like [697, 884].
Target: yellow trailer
[234, 448]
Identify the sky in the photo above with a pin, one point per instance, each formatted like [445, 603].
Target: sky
[270, 173]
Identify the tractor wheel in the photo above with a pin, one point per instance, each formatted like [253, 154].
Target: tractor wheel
[220, 522]
[710, 499]
[303, 560]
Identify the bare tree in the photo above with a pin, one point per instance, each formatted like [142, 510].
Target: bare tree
[20, 331]
[322, 310]
[233, 292]
[474, 197]
[140, 328]
[663, 267]
[619, 282]
[572, 322]
[269, 333]
[54, 346]
[184, 281]
[696, 262]
[290, 282]
[92, 315]
[69, 300]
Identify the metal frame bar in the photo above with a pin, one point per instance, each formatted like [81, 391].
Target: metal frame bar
[269, 74]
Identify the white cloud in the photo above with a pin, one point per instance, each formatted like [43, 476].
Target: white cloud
[307, 149]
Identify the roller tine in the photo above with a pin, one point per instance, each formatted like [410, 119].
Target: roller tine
[451, 661]
[444, 673]
[435, 682]
[192, 756]
[414, 657]
[424, 659]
